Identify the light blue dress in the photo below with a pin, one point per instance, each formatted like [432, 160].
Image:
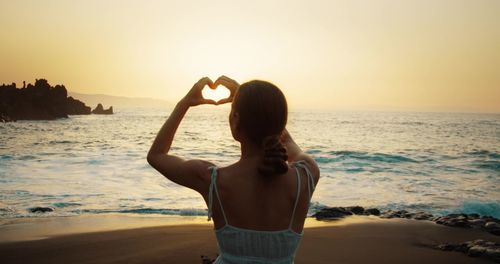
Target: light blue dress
[245, 246]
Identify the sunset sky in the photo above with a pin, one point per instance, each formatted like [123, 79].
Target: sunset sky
[435, 55]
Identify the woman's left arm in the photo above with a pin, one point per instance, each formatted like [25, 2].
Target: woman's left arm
[189, 173]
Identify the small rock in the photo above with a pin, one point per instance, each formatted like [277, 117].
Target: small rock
[491, 226]
[394, 214]
[41, 209]
[476, 242]
[407, 215]
[446, 247]
[478, 223]
[456, 215]
[476, 251]
[473, 216]
[332, 213]
[357, 210]
[422, 216]
[453, 222]
[372, 211]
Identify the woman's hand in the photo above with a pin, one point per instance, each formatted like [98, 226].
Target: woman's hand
[194, 96]
[230, 84]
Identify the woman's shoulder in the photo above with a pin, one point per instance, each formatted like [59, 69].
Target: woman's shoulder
[309, 164]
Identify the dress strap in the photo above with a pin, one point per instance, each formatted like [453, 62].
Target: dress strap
[296, 199]
[213, 185]
[310, 179]
[310, 186]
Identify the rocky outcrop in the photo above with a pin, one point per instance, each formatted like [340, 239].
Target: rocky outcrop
[76, 107]
[485, 223]
[334, 213]
[37, 102]
[99, 110]
[406, 214]
[476, 248]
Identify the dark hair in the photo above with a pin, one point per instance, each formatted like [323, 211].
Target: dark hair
[263, 113]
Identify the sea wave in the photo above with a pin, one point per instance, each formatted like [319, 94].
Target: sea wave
[62, 205]
[476, 207]
[484, 154]
[342, 155]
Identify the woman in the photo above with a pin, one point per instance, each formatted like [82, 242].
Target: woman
[259, 204]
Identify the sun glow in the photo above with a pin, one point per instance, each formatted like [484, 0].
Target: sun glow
[219, 93]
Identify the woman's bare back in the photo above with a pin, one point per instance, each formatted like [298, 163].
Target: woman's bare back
[252, 201]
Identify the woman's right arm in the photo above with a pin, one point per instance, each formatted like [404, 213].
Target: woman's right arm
[295, 154]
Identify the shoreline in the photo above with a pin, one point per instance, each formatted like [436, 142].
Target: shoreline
[28, 229]
[132, 239]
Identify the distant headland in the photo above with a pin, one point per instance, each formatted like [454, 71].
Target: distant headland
[41, 101]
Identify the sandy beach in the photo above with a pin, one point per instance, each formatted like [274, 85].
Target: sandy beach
[92, 239]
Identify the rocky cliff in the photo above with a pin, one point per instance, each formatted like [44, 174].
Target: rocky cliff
[38, 102]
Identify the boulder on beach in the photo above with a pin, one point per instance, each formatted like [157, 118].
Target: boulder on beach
[40, 101]
[487, 223]
[334, 213]
[99, 110]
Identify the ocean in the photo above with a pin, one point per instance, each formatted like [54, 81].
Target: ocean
[94, 164]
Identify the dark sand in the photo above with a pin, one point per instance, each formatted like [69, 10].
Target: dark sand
[368, 240]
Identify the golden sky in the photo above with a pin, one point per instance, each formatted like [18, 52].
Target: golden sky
[422, 55]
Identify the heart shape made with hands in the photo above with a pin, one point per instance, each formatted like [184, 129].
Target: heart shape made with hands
[220, 92]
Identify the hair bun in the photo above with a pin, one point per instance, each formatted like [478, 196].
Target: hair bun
[275, 157]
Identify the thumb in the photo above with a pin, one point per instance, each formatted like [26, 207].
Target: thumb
[224, 101]
[209, 101]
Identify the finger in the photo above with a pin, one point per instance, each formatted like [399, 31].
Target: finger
[205, 81]
[229, 85]
[229, 80]
[208, 101]
[214, 85]
[209, 83]
[226, 78]
[225, 100]
[221, 79]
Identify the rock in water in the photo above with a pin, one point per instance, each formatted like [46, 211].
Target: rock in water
[40, 209]
[76, 107]
[99, 110]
